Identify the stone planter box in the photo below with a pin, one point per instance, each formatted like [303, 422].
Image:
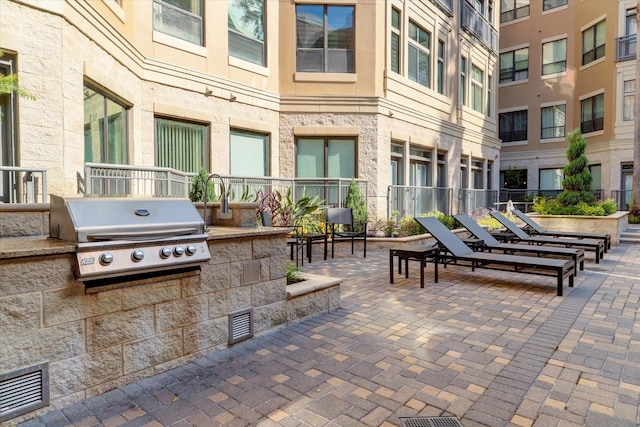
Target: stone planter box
[613, 224]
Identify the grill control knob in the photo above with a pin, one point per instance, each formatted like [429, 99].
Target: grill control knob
[178, 250]
[191, 249]
[106, 258]
[165, 252]
[137, 255]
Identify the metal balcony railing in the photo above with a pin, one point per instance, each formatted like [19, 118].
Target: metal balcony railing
[626, 47]
[471, 199]
[444, 5]
[622, 199]
[23, 185]
[527, 195]
[476, 24]
[413, 200]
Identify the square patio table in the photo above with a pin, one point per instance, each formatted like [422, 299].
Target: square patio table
[414, 253]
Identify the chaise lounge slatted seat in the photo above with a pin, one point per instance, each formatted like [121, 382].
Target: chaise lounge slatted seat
[536, 229]
[519, 235]
[491, 243]
[455, 251]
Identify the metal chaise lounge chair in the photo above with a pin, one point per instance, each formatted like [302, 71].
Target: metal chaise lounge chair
[455, 251]
[518, 234]
[536, 229]
[491, 243]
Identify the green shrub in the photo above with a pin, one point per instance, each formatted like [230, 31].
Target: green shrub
[197, 192]
[552, 207]
[358, 205]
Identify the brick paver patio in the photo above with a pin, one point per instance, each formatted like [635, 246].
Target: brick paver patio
[491, 348]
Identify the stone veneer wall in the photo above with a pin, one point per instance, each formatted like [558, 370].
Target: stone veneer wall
[97, 340]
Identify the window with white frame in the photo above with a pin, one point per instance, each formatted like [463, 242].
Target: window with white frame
[592, 114]
[420, 167]
[514, 65]
[325, 38]
[105, 128]
[247, 30]
[554, 57]
[440, 77]
[396, 26]
[397, 163]
[477, 173]
[593, 42]
[181, 145]
[629, 100]
[553, 121]
[419, 55]
[477, 89]
[463, 80]
[513, 9]
[552, 4]
[512, 126]
[249, 152]
[180, 18]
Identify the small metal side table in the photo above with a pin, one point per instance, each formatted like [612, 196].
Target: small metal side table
[414, 253]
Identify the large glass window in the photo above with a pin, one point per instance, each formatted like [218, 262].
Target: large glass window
[105, 129]
[179, 18]
[551, 179]
[249, 153]
[181, 145]
[463, 80]
[326, 158]
[440, 78]
[552, 4]
[8, 135]
[514, 65]
[477, 88]
[593, 42]
[477, 173]
[325, 38]
[419, 55]
[246, 30]
[553, 121]
[554, 57]
[629, 100]
[513, 9]
[396, 23]
[592, 114]
[513, 126]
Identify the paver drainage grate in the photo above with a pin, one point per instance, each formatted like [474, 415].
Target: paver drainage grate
[430, 422]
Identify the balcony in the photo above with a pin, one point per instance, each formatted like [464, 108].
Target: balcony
[23, 185]
[477, 25]
[445, 5]
[626, 47]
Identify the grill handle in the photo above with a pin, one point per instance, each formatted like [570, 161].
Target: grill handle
[142, 235]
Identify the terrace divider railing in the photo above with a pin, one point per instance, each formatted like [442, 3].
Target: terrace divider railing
[470, 200]
[23, 185]
[412, 201]
[126, 180]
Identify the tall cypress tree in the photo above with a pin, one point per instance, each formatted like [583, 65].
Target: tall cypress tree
[577, 178]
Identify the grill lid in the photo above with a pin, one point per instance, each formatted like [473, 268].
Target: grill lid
[89, 219]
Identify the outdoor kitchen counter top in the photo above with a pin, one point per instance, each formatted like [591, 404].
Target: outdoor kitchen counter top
[28, 246]
[18, 247]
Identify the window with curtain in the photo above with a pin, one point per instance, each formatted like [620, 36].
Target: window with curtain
[514, 65]
[105, 129]
[593, 42]
[181, 145]
[551, 179]
[180, 18]
[249, 153]
[592, 114]
[247, 30]
[552, 4]
[596, 176]
[325, 38]
[440, 77]
[554, 57]
[419, 55]
[629, 100]
[477, 88]
[477, 173]
[512, 126]
[513, 9]
[396, 23]
[326, 158]
[553, 121]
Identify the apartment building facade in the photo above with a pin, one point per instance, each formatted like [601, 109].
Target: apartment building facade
[396, 92]
[565, 65]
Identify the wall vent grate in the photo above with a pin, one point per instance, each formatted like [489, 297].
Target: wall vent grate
[430, 422]
[24, 390]
[240, 326]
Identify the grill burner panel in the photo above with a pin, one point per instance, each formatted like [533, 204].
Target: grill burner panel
[126, 236]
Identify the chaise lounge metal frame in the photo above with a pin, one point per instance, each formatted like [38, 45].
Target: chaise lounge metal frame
[537, 230]
[455, 251]
[516, 234]
[491, 243]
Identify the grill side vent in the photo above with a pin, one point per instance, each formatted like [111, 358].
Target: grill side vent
[430, 422]
[24, 390]
[240, 325]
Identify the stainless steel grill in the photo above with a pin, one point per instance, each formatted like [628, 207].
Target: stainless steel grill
[118, 237]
